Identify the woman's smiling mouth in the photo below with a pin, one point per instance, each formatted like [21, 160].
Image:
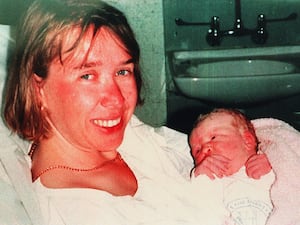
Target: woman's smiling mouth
[107, 123]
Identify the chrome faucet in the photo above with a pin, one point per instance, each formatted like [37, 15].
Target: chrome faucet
[259, 35]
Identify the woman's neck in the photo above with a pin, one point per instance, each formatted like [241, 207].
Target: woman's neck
[54, 152]
[63, 166]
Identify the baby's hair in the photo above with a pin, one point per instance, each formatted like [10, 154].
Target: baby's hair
[240, 120]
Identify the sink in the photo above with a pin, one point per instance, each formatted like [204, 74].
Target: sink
[239, 68]
[238, 75]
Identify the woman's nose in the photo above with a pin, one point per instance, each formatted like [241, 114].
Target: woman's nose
[111, 95]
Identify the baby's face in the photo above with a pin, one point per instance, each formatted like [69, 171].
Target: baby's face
[217, 135]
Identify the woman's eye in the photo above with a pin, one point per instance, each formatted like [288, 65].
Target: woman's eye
[123, 72]
[86, 76]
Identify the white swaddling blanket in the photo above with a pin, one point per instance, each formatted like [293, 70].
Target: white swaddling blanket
[281, 143]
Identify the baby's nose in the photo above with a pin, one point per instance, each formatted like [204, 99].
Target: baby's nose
[207, 148]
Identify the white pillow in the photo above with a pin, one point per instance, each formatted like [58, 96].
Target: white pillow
[5, 42]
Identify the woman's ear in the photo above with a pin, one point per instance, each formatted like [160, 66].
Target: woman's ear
[38, 83]
[250, 141]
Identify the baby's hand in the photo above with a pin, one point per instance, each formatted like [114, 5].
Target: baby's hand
[257, 165]
[213, 166]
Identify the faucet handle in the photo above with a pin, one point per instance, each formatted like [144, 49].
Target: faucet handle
[261, 21]
[215, 23]
[260, 35]
[213, 33]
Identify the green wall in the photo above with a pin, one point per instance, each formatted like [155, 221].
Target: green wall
[146, 19]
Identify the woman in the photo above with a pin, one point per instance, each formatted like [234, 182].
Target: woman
[72, 92]
[77, 79]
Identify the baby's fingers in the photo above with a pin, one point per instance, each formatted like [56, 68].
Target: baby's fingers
[257, 166]
[212, 166]
[219, 159]
[217, 167]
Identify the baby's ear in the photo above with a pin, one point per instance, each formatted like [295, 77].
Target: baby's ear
[249, 140]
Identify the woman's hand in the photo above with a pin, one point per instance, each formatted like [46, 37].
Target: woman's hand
[213, 166]
[257, 165]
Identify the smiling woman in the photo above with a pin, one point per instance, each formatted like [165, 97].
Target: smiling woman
[84, 89]
[100, 101]
[71, 92]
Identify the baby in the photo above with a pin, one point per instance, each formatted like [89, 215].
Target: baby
[224, 145]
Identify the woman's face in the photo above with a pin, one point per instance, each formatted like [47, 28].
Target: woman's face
[217, 135]
[91, 96]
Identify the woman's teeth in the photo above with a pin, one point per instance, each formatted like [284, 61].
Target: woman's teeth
[107, 123]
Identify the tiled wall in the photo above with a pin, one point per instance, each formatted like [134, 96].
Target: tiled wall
[146, 19]
[193, 37]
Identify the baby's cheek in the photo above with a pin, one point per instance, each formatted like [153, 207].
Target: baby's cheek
[226, 148]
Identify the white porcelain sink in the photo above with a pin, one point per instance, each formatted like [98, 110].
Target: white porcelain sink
[236, 77]
[238, 68]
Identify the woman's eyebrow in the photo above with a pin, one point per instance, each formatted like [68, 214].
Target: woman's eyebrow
[99, 63]
[129, 61]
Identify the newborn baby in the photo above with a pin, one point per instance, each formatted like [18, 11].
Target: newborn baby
[229, 170]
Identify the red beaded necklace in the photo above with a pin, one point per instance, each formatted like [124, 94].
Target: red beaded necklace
[63, 167]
